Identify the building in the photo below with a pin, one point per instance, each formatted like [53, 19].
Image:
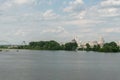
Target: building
[82, 44]
[118, 43]
[93, 43]
[101, 42]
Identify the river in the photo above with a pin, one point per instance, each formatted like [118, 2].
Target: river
[59, 65]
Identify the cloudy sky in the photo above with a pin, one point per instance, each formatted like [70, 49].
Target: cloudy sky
[61, 20]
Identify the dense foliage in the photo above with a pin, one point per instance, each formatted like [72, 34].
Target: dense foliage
[45, 45]
[49, 45]
[107, 47]
[110, 47]
[53, 45]
[70, 46]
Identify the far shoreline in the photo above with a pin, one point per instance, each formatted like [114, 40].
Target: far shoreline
[52, 45]
[17, 50]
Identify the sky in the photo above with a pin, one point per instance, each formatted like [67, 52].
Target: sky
[60, 20]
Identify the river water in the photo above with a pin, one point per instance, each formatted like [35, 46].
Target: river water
[59, 65]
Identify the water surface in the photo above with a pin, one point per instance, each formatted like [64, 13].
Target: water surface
[59, 65]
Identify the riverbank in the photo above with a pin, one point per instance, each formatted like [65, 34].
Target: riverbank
[69, 46]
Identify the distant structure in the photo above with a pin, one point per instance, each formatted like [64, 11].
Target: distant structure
[79, 43]
[82, 44]
[101, 42]
[93, 43]
[118, 43]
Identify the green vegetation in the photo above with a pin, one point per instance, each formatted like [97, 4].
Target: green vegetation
[45, 45]
[110, 47]
[107, 47]
[70, 46]
[42, 45]
[49, 45]
[4, 46]
[88, 47]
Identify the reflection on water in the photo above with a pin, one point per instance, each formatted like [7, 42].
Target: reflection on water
[59, 65]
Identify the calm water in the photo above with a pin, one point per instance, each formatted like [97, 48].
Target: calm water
[59, 65]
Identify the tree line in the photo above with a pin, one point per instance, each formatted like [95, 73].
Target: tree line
[71, 46]
[107, 47]
[49, 45]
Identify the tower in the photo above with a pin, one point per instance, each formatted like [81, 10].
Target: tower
[101, 41]
[77, 41]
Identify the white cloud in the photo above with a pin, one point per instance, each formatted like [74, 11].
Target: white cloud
[98, 11]
[58, 29]
[110, 3]
[43, 24]
[13, 3]
[49, 14]
[109, 12]
[6, 5]
[76, 2]
[23, 32]
[57, 33]
[82, 22]
[73, 5]
[78, 15]
[109, 8]
[20, 2]
[20, 33]
[112, 30]
[68, 9]
[87, 30]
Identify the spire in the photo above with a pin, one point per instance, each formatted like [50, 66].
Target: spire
[101, 41]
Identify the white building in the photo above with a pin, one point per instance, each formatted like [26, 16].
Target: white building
[92, 43]
[82, 44]
[101, 42]
[118, 43]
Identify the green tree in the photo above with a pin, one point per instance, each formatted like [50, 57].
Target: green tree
[45, 45]
[96, 48]
[88, 47]
[110, 47]
[71, 46]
